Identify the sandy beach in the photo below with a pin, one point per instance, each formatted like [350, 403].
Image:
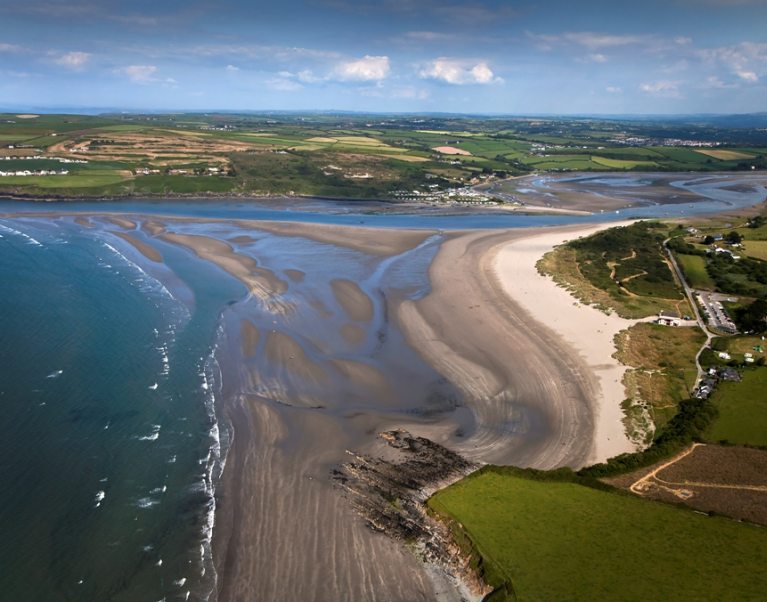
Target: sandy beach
[588, 331]
[331, 347]
[541, 394]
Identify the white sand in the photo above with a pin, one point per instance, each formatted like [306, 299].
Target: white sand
[587, 330]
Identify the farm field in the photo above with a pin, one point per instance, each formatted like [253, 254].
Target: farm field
[694, 268]
[351, 156]
[729, 480]
[756, 249]
[560, 540]
[742, 410]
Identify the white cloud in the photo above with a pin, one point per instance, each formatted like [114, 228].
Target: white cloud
[4, 47]
[588, 39]
[282, 84]
[714, 82]
[747, 60]
[459, 72]
[232, 69]
[430, 36]
[597, 58]
[748, 76]
[368, 68]
[663, 88]
[73, 60]
[614, 90]
[139, 74]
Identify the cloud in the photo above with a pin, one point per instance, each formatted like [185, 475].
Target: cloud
[368, 68]
[588, 39]
[476, 13]
[714, 82]
[9, 47]
[748, 76]
[136, 20]
[614, 90]
[662, 88]
[458, 72]
[139, 74]
[73, 60]
[747, 60]
[597, 57]
[430, 36]
[231, 69]
[282, 84]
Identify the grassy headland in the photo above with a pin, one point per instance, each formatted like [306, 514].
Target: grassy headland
[622, 269]
[548, 536]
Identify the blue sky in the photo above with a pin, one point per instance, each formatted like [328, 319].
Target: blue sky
[516, 57]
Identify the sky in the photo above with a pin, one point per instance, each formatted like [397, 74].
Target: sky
[488, 56]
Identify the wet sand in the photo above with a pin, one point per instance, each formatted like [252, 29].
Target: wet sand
[260, 282]
[355, 302]
[122, 222]
[604, 192]
[301, 389]
[367, 240]
[146, 250]
[531, 397]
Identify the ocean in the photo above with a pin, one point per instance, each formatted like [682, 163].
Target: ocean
[109, 442]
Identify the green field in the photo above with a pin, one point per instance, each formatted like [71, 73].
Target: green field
[742, 410]
[62, 182]
[565, 541]
[756, 248]
[377, 156]
[622, 163]
[694, 268]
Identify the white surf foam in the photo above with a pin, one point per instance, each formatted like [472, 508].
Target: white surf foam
[29, 239]
[154, 435]
[146, 502]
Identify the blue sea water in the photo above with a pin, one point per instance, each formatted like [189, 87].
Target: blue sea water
[107, 441]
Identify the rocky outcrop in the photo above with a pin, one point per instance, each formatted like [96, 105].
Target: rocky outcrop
[390, 491]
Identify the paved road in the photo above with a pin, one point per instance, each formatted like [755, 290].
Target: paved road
[691, 298]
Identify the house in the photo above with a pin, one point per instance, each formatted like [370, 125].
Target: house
[667, 318]
[724, 355]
